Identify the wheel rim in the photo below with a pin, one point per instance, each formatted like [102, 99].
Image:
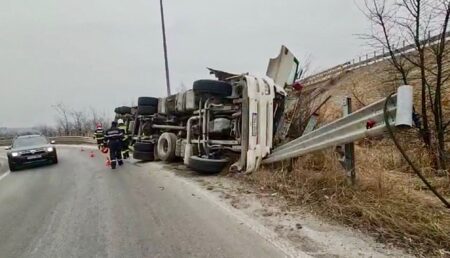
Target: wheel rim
[165, 145]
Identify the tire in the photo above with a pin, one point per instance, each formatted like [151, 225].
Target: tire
[122, 110]
[12, 168]
[147, 110]
[144, 147]
[144, 156]
[207, 166]
[218, 88]
[55, 160]
[126, 110]
[167, 144]
[148, 101]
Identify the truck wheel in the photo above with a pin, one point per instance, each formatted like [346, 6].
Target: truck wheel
[207, 166]
[144, 156]
[12, 168]
[146, 110]
[144, 147]
[166, 146]
[147, 101]
[122, 110]
[213, 87]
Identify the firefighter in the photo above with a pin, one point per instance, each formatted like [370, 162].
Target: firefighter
[114, 137]
[99, 135]
[126, 139]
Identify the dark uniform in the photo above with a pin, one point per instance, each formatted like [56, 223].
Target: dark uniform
[99, 135]
[114, 137]
[125, 142]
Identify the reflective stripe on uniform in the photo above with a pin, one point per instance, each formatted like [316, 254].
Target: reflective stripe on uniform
[114, 135]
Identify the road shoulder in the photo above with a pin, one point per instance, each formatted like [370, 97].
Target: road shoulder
[3, 165]
[287, 227]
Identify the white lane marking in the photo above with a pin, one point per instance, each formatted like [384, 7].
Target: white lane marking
[6, 172]
[5, 175]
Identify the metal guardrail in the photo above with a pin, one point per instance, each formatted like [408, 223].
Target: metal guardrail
[363, 123]
[365, 61]
[73, 140]
[60, 140]
[5, 142]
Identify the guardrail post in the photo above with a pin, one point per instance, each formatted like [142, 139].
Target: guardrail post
[348, 150]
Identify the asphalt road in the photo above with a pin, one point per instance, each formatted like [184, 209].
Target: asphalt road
[80, 208]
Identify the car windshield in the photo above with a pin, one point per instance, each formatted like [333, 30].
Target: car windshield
[30, 141]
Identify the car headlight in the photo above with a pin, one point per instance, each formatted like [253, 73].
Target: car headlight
[15, 154]
[50, 149]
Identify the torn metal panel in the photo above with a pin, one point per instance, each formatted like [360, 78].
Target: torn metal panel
[290, 107]
[284, 68]
[221, 75]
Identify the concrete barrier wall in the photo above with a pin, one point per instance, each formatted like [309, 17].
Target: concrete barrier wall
[60, 140]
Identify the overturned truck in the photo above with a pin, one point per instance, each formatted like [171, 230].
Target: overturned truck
[233, 116]
[237, 119]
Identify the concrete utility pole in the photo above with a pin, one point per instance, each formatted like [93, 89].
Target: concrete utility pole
[165, 48]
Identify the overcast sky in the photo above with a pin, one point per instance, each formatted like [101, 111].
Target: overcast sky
[106, 53]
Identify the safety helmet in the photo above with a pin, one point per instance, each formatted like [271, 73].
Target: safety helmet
[120, 121]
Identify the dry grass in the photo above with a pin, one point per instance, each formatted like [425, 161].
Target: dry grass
[387, 202]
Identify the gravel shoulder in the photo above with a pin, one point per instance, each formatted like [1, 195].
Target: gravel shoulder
[292, 227]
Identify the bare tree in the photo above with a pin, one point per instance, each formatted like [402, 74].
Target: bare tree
[181, 88]
[399, 25]
[46, 130]
[79, 120]
[305, 67]
[62, 119]
[97, 117]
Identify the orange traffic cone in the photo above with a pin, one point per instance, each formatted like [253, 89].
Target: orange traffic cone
[104, 150]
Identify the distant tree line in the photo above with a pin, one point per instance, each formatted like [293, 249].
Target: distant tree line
[69, 122]
[72, 122]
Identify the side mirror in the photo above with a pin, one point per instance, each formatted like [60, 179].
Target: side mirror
[52, 141]
[7, 147]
